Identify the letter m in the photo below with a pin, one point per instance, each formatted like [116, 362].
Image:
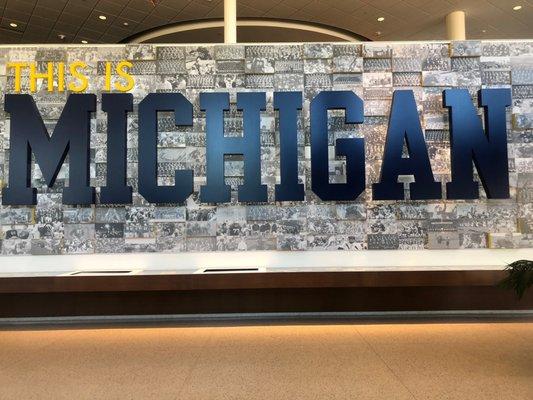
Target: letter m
[29, 135]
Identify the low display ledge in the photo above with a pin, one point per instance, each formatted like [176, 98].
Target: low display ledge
[263, 292]
[283, 282]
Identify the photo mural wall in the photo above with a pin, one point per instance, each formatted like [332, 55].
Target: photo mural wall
[62, 216]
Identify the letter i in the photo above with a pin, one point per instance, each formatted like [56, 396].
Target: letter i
[61, 77]
[108, 76]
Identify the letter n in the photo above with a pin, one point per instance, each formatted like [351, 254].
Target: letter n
[487, 150]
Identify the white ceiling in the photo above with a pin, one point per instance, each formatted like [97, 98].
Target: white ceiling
[41, 21]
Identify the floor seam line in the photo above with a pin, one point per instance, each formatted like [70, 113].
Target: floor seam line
[386, 364]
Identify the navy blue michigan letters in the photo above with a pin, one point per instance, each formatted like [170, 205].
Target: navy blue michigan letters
[473, 142]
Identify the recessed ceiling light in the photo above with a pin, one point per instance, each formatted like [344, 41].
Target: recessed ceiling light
[381, 19]
[484, 31]
[102, 17]
[13, 25]
[125, 23]
[84, 41]
[516, 8]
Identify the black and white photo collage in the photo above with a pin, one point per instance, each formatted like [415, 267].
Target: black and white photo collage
[371, 70]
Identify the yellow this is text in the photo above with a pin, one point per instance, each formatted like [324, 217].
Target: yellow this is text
[74, 76]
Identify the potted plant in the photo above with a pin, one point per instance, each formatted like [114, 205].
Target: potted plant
[519, 277]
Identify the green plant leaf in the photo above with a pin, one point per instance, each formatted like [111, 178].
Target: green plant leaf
[519, 277]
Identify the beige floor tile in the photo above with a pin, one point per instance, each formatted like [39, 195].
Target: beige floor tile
[292, 362]
[457, 361]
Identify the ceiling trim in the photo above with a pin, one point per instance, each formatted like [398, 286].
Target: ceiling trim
[186, 26]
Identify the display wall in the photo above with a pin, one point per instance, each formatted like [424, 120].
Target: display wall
[371, 70]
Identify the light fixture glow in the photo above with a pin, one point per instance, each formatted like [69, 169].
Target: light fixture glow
[516, 8]
[84, 41]
[102, 17]
[381, 19]
[13, 25]
[125, 24]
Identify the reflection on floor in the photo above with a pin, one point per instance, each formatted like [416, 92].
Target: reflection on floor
[487, 360]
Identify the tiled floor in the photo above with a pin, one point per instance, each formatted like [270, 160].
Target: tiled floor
[487, 360]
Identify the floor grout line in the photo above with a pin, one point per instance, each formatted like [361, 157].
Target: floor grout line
[385, 363]
[193, 366]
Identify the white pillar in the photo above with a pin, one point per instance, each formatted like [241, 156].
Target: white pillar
[455, 25]
[230, 21]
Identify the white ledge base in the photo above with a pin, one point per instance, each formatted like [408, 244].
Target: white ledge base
[266, 261]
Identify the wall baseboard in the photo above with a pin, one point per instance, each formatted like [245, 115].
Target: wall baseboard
[272, 318]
